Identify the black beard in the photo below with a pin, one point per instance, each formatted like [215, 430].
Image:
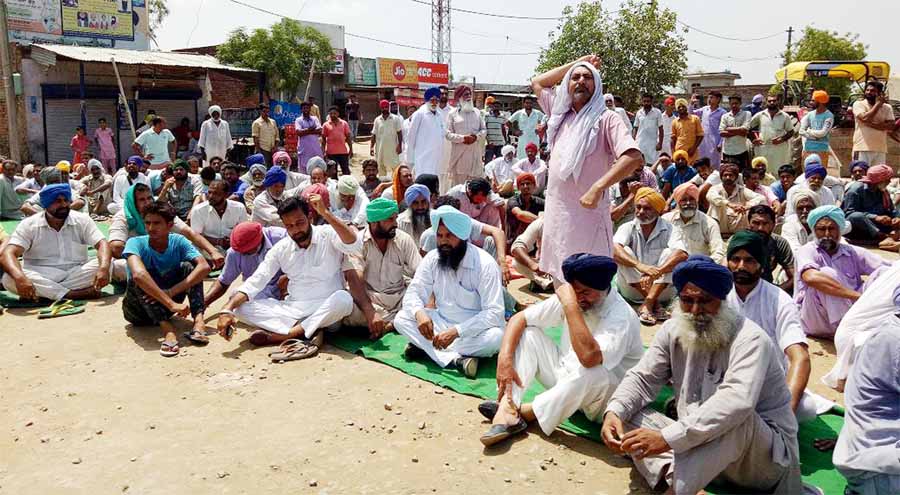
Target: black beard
[302, 238]
[421, 221]
[742, 277]
[871, 99]
[449, 257]
[827, 244]
[381, 234]
[60, 214]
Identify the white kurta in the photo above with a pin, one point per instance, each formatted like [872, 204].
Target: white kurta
[426, 141]
[215, 139]
[465, 159]
[207, 222]
[265, 210]
[356, 215]
[570, 386]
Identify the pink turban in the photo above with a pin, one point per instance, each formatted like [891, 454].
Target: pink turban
[320, 189]
[687, 189]
[281, 155]
[462, 91]
[246, 236]
[878, 174]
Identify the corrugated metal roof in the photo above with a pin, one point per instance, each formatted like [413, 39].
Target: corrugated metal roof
[131, 57]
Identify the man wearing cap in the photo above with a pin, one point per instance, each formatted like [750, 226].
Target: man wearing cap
[351, 202]
[387, 140]
[600, 342]
[313, 259]
[735, 423]
[215, 135]
[870, 211]
[265, 206]
[524, 207]
[815, 128]
[308, 128]
[53, 246]
[692, 228]
[772, 131]
[128, 176]
[181, 191]
[156, 144]
[465, 284]
[677, 173]
[416, 219]
[426, 136]
[499, 171]
[646, 255]
[464, 129]
[814, 175]
[97, 188]
[774, 311]
[249, 242]
[730, 201]
[734, 127]
[381, 271]
[524, 123]
[532, 164]
[216, 217]
[829, 273]
[495, 126]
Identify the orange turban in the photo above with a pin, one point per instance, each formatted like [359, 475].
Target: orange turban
[687, 189]
[489, 100]
[820, 96]
[654, 198]
[682, 154]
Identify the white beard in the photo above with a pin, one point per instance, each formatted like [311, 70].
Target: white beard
[706, 333]
[466, 106]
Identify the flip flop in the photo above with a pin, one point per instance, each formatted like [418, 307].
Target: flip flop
[286, 344]
[196, 337]
[294, 352]
[63, 307]
[499, 433]
[647, 318]
[169, 348]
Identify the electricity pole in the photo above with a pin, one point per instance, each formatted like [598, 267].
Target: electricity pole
[440, 33]
[9, 92]
[787, 60]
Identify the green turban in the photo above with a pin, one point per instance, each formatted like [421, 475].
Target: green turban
[179, 163]
[751, 242]
[381, 209]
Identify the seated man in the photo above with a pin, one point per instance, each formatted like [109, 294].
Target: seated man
[180, 191]
[129, 222]
[477, 200]
[265, 206]
[643, 248]
[248, 246]
[381, 271]
[796, 230]
[351, 202]
[50, 176]
[10, 202]
[524, 207]
[692, 228]
[500, 172]
[253, 187]
[870, 211]
[312, 259]
[833, 184]
[786, 177]
[467, 321]
[525, 251]
[231, 174]
[762, 221]
[866, 450]
[858, 170]
[215, 218]
[676, 174]
[97, 188]
[53, 246]
[753, 181]
[601, 340]
[126, 177]
[163, 269]
[735, 423]
[621, 198]
[775, 312]
[416, 219]
[829, 273]
[706, 177]
[730, 201]
[815, 178]
[532, 164]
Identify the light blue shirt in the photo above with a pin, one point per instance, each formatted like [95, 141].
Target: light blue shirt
[156, 145]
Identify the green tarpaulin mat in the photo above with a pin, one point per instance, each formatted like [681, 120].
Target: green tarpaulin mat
[816, 466]
[10, 300]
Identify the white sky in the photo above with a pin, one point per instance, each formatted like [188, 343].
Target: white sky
[206, 22]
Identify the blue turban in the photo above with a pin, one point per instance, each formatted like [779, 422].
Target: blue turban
[457, 222]
[814, 168]
[705, 273]
[49, 193]
[414, 191]
[591, 270]
[432, 93]
[275, 175]
[254, 159]
[827, 211]
[864, 165]
[137, 160]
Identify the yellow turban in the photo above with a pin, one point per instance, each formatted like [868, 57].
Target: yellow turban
[63, 166]
[654, 198]
[820, 96]
[759, 160]
[680, 101]
[682, 154]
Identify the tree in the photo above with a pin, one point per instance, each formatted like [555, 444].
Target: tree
[821, 44]
[157, 10]
[641, 47]
[286, 53]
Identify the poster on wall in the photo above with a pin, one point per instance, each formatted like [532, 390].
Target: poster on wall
[110, 19]
[362, 72]
[283, 112]
[411, 74]
[34, 16]
[338, 62]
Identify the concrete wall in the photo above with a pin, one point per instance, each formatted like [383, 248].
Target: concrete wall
[842, 144]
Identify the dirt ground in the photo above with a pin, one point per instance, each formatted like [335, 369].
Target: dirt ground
[89, 406]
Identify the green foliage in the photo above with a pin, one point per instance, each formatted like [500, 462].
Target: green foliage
[641, 47]
[821, 44]
[285, 53]
[157, 10]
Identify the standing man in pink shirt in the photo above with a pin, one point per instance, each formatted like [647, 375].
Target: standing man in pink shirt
[103, 136]
[592, 149]
[337, 140]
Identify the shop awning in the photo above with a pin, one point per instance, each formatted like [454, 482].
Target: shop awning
[48, 54]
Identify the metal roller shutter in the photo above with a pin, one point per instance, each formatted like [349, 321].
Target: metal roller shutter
[172, 110]
[62, 118]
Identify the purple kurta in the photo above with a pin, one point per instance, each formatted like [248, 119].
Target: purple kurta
[310, 145]
[820, 313]
[244, 265]
[569, 228]
[712, 138]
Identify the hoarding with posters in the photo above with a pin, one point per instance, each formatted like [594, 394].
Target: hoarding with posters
[110, 19]
[362, 72]
[411, 74]
[34, 16]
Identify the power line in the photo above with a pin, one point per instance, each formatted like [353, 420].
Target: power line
[734, 59]
[502, 16]
[727, 37]
[506, 38]
[392, 43]
[191, 36]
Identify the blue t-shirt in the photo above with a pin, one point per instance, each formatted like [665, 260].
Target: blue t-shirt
[676, 178]
[778, 190]
[160, 264]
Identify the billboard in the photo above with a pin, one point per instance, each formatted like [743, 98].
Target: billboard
[34, 16]
[338, 62]
[110, 19]
[362, 72]
[411, 74]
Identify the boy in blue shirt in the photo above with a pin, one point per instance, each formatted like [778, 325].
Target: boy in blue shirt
[163, 269]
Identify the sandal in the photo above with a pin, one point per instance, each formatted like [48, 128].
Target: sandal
[296, 351]
[284, 345]
[169, 348]
[63, 307]
[196, 337]
[661, 314]
[647, 318]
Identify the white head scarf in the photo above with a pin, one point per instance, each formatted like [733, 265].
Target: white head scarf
[507, 150]
[610, 97]
[585, 126]
[215, 108]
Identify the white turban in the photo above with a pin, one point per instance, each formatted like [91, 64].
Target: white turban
[94, 163]
[347, 185]
[215, 108]
[609, 97]
[584, 128]
[507, 150]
